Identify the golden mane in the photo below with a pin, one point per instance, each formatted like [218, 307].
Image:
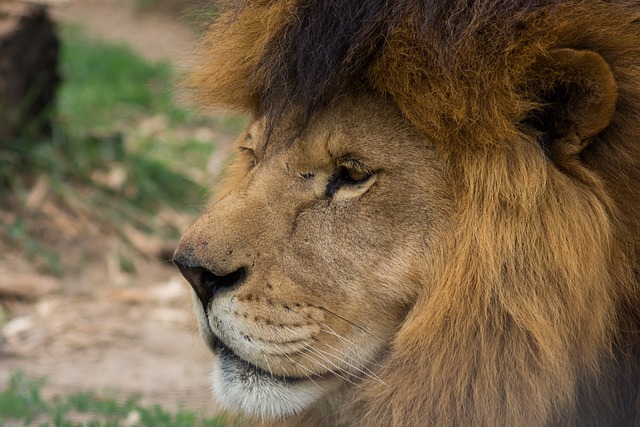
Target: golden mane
[533, 316]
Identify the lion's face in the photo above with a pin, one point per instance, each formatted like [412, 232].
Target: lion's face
[305, 266]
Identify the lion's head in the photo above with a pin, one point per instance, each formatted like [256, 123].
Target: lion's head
[440, 227]
[314, 254]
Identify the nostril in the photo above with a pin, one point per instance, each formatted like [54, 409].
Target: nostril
[206, 284]
[214, 282]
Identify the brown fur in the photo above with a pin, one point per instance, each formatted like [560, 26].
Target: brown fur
[525, 311]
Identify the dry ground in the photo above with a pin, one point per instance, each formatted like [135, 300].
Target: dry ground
[96, 328]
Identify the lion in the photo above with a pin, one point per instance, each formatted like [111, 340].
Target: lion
[433, 217]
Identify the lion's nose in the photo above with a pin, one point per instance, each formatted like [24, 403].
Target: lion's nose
[204, 282]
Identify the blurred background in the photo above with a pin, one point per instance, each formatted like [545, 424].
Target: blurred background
[103, 163]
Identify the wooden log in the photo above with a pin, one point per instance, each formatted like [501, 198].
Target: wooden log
[28, 69]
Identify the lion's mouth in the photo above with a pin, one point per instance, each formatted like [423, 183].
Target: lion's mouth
[233, 365]
[243, 386]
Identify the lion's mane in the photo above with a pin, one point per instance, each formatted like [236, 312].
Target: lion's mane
[533, 316]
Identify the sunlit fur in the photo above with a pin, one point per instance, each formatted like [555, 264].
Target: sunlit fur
[522, 310]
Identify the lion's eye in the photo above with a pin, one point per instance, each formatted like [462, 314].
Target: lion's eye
[352, 176]
[347, 176]
[250, 155]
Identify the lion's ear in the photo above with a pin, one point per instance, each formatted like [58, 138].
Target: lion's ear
[578, 93]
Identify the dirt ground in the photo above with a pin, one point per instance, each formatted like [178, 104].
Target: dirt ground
[97, 328]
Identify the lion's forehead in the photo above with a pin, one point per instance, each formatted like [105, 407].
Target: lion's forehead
[364, 127]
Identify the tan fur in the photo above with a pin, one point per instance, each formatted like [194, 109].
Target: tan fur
[488, 279]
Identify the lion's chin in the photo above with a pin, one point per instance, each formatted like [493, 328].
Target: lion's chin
[240, 386]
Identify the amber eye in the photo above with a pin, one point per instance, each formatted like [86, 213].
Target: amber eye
[345, 177]
[353, 175]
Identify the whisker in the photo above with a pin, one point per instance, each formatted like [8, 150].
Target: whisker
[337, 334]
[340, 369]
[328, 369]
[364, 362]
[266, 360]
[362, 328]
[282, 353]
[369, 373]
[305, 369]
[350, 344]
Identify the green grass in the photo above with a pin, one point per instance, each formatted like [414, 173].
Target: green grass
[22, 402]
[107, 91]
[108, 97]
[108, 82]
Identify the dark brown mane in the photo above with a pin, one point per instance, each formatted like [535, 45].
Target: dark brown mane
[330, 45]
[275, 57]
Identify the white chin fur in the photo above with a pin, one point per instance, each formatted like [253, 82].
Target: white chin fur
[259, 395]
